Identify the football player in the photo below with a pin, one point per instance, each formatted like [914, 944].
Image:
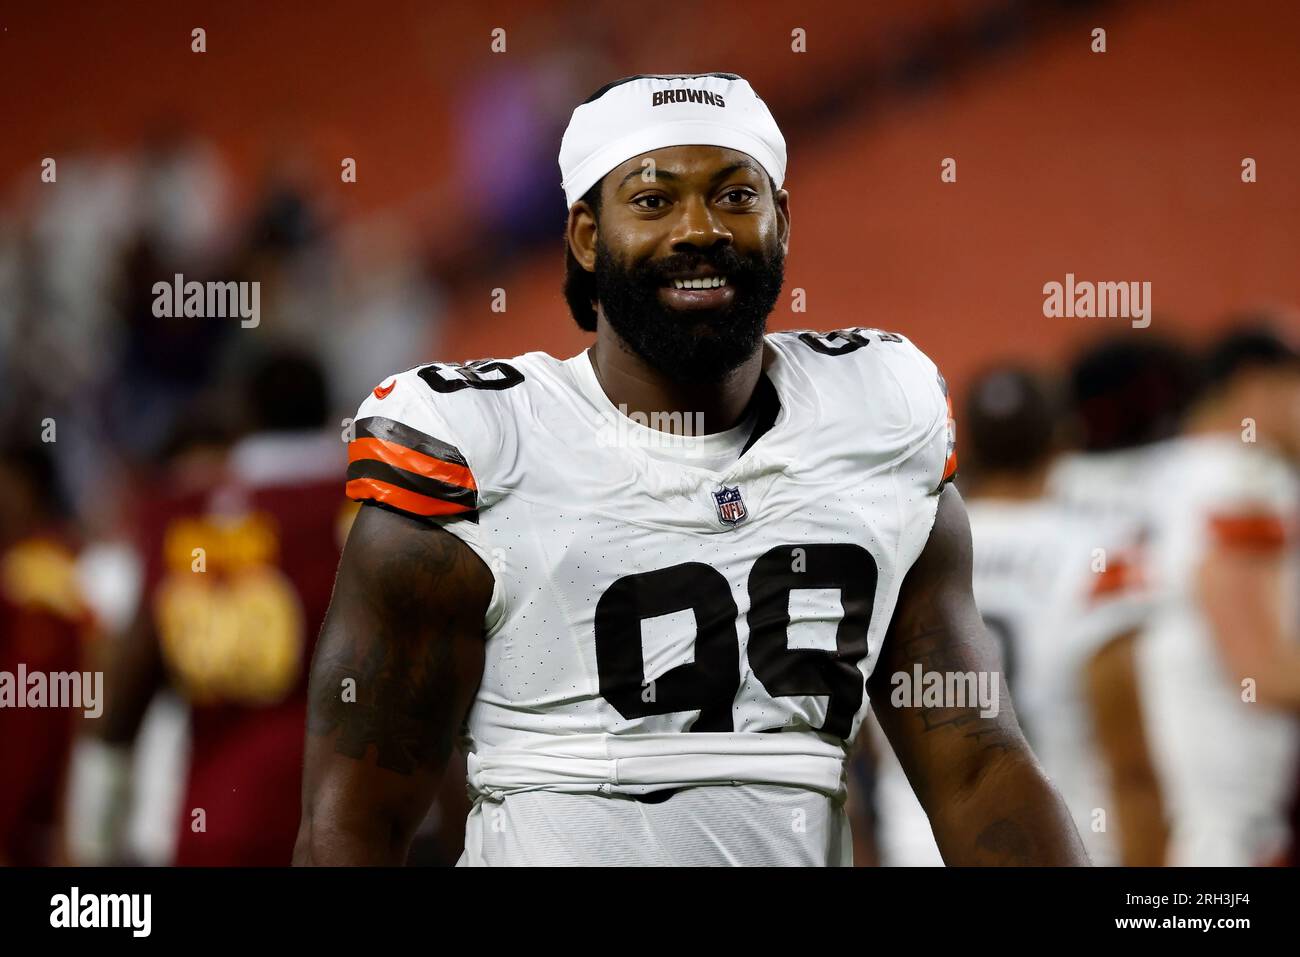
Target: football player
[657, 583]
[1129, 395]
[239, 560]
[46, 628]
[1221, 664]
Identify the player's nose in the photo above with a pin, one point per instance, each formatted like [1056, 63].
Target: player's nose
[698, 226]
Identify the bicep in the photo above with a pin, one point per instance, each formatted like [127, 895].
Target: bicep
[396, 667]
[1240, 594]
[937, 626]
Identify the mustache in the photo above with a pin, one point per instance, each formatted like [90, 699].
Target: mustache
[724, 260]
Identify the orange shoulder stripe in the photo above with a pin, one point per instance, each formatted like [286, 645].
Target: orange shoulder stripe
[1260, 531]
[399, 456]
[411, 502]
[950, 466]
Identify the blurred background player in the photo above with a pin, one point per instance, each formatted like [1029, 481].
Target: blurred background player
[1128, 395]
[239, 550]
[45, 626]
[1054, 589]
[1221, 664]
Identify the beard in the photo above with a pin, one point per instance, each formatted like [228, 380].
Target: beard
[690, 346]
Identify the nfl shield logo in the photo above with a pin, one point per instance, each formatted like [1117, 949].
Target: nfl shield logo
[731, 507]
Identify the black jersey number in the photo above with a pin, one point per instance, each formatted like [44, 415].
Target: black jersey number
[492, 374]
[709, 682]
[841, 342]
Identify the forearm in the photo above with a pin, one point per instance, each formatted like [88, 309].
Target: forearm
[358, 813]
[328, 841]
[1009, 814]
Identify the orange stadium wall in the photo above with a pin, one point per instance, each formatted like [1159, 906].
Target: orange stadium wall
[1122, 166]
[1117, 166]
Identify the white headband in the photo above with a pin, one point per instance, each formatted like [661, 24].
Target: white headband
[643, 113]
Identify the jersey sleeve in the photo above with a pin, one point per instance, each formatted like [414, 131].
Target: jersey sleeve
[907, 387]
[907, 400]
[1252, 505]
[426, 447]
[887, 404]
[421, 453]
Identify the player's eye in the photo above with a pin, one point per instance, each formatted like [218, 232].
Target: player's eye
[651, 202]
[739, 196]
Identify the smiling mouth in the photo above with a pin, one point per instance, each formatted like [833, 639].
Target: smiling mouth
[703, 282]
[697, 293]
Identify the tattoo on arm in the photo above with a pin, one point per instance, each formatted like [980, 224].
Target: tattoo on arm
[933, 648]
[386, 672]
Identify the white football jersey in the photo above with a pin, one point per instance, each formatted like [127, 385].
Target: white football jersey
[1226, 766]
[1052, 588]
[656, 625]
[1113, 487]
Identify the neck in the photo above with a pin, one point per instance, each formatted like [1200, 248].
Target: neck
[634, 385]
[1228, 418]
[1212, 417]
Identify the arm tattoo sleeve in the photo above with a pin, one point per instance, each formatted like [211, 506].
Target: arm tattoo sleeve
[385, 670]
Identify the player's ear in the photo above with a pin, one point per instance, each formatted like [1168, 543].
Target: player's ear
[782, 201]
[581, 233]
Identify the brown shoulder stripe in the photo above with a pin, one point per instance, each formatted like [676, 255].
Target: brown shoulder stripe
[368, 468]
[378, 427]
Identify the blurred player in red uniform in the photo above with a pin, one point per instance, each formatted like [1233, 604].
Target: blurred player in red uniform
[43, 624]
[238, 573]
